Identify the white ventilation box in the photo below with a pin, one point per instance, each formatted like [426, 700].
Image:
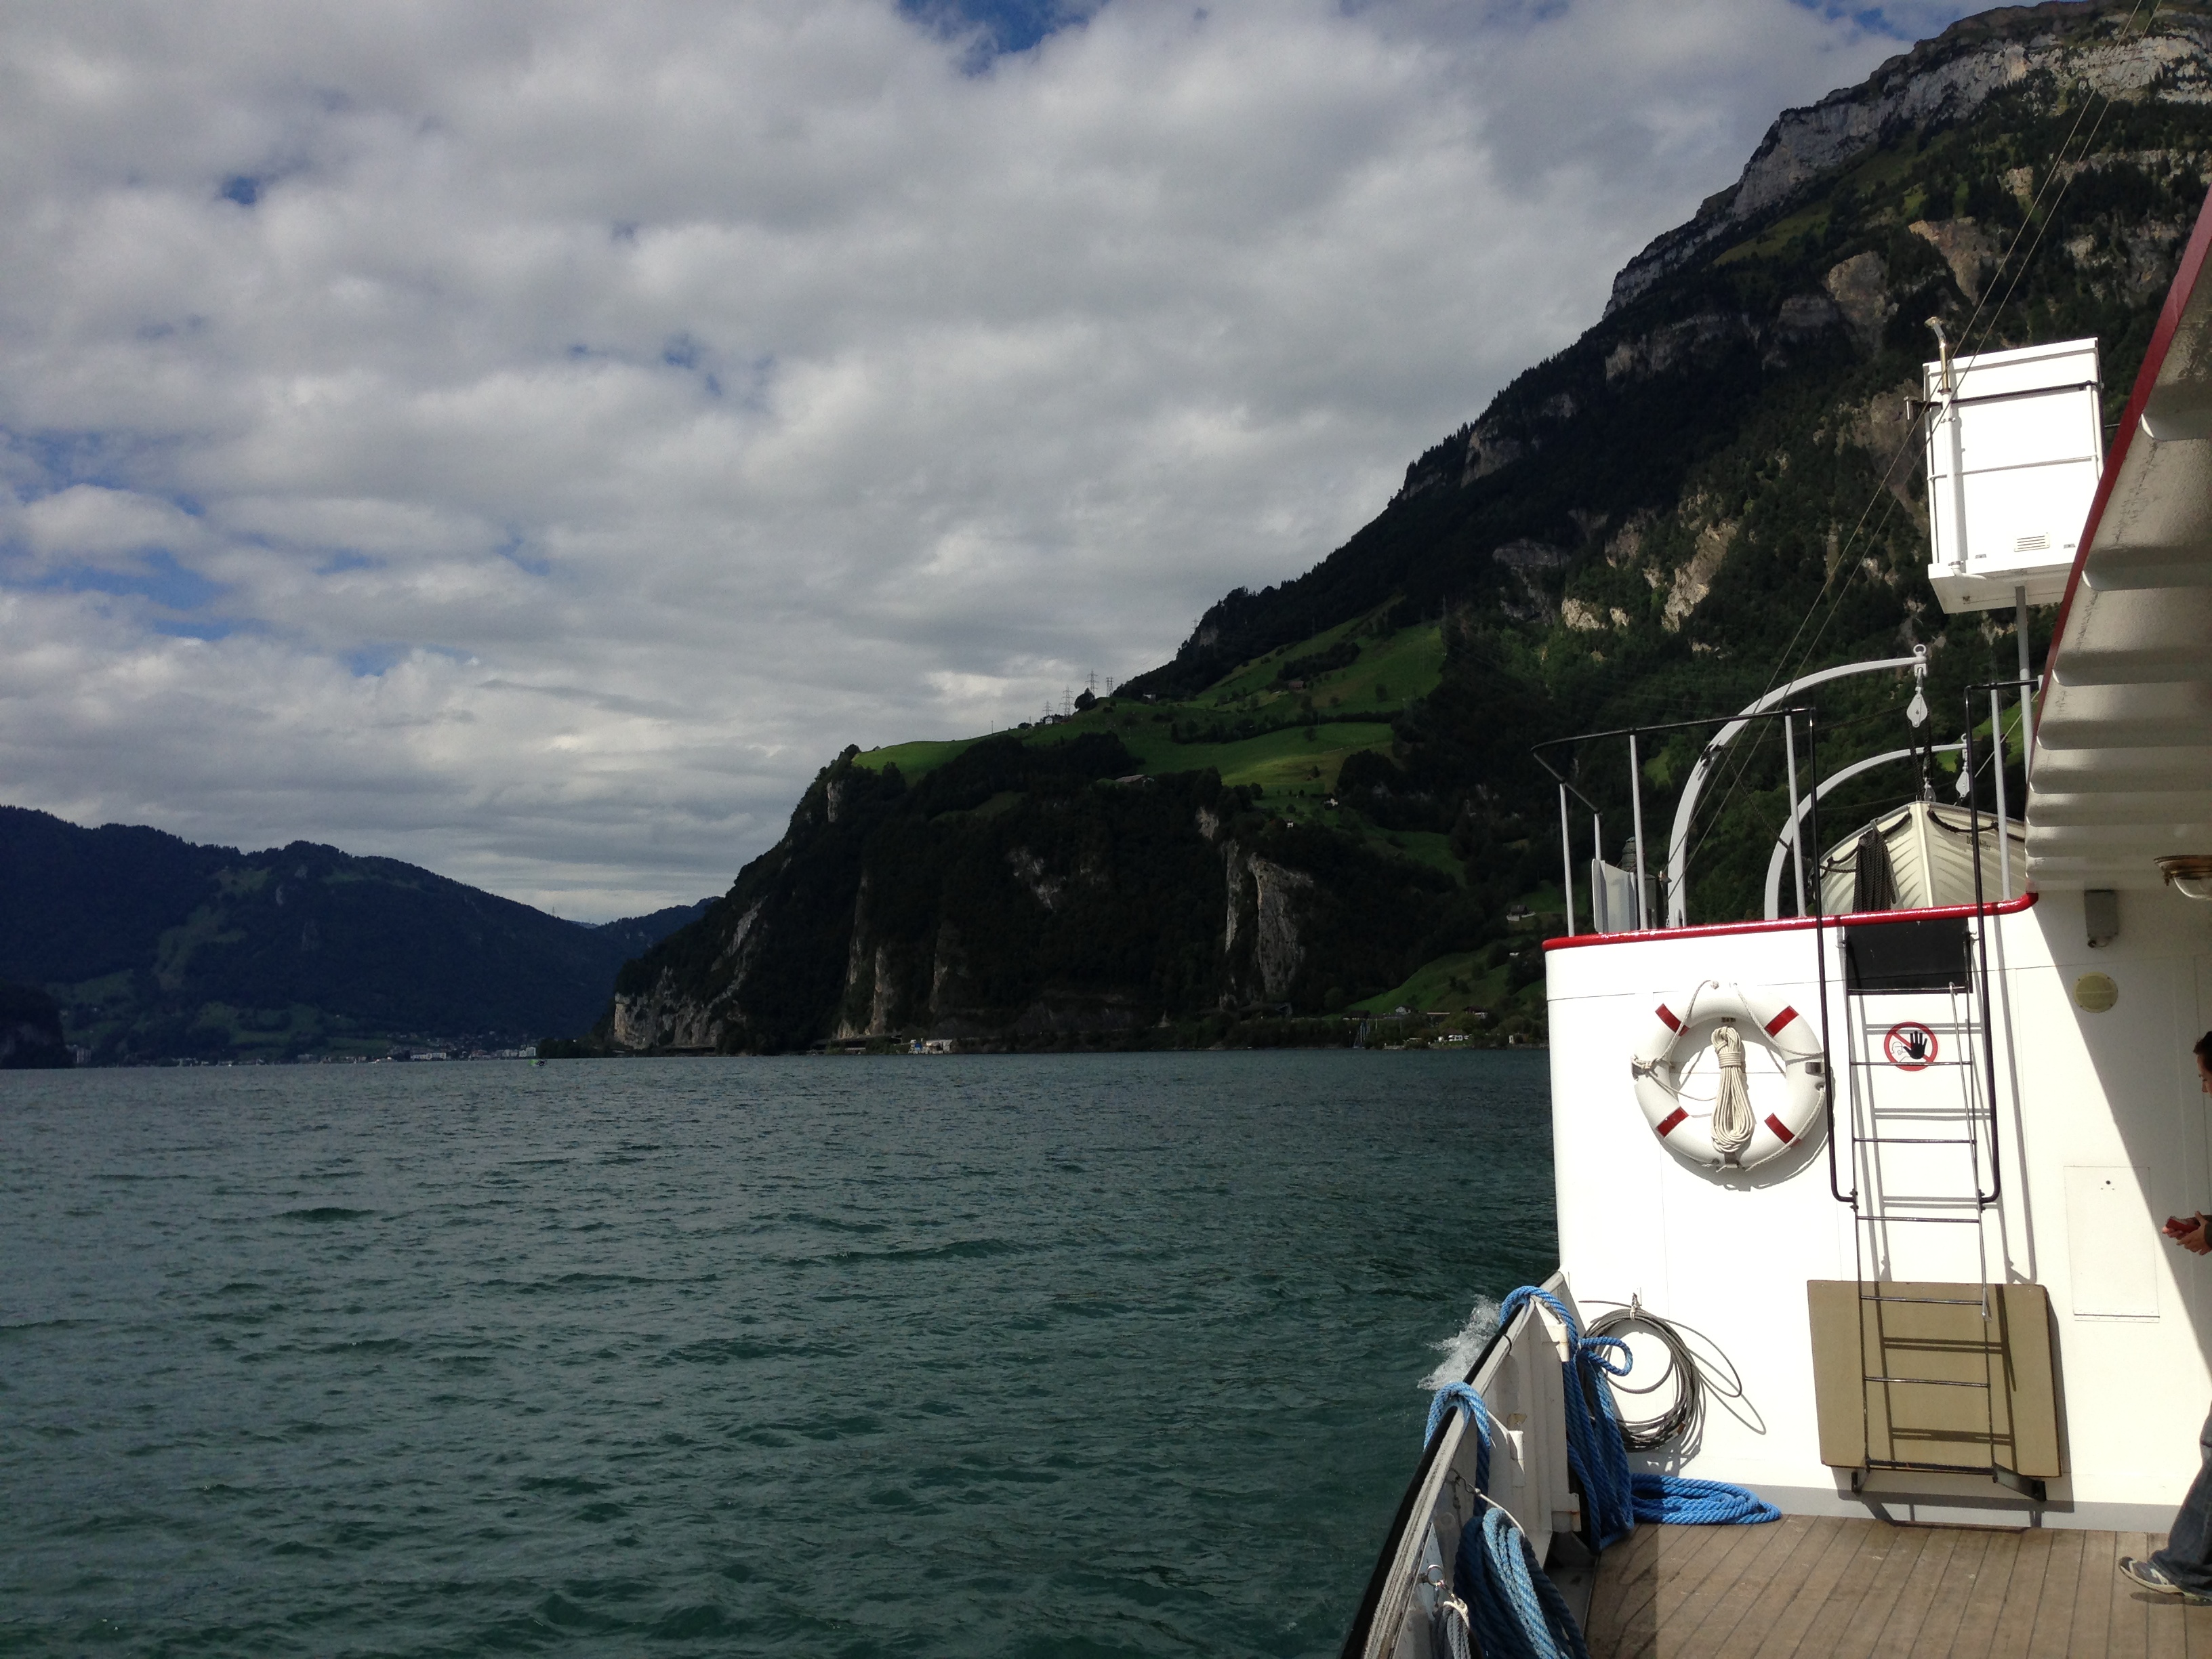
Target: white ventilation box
[2019, 449]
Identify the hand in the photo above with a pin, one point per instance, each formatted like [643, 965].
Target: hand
[2195, 1238]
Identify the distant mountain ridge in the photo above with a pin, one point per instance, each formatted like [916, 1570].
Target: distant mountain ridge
[156, 948]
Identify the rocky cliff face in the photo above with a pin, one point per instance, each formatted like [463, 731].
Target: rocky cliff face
[1025, 894]
[2055, 51]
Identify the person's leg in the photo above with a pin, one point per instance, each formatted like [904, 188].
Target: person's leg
[2186, 1560]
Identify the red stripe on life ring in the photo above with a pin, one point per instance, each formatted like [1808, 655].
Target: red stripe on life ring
[1774, 1029]
[1673, 1121]
[1667, 1015]
[1775, 1124]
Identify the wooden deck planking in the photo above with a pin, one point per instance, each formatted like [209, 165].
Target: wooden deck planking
[1682, 1575]
[2089, 1632]
[1973, 1586]
[1982, 1598]
[1793, 1604]
[1714, 1570]
[1899, 1637]
[1836, 1622]
[2197, 1629]
[2054, 1607]
[2015, 1621]
[1719, 1613]
[1625, 1569]
[1628, 1606]
[1753, 1558]
[1859, 1628]
[2131, 1626]
[1808, 1587]
[1746, 1614]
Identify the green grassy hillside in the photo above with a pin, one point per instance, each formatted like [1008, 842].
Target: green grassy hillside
[1283, 724]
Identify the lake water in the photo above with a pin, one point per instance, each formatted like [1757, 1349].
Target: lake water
[1060, 1355]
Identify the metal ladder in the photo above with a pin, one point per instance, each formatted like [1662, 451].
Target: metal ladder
[1919, 1124]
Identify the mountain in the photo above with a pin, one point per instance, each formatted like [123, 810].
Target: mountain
[1327, 799]
[157, 948]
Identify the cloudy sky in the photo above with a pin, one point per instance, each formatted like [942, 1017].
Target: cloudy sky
[529, 438]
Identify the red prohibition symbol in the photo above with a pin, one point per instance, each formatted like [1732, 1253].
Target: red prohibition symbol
[1911, 1046]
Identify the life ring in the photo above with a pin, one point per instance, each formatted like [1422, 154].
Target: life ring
[1683, 1030]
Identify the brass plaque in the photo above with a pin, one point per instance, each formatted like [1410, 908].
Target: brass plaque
[2095, 994]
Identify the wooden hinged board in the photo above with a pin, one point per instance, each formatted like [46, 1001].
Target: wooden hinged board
[1938, 1336]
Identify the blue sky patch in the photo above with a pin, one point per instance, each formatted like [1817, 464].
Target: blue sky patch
[372, 661]
[158, 577]
[1008, 25]
[209, 629]
[62, 458]
[1900, 20]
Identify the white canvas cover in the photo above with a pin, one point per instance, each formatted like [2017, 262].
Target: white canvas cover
[1613, 899]
[1932, 849]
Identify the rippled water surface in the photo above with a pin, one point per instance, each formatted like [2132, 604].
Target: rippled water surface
[1075, 1355]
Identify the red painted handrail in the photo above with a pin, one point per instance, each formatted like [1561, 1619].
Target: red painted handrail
[1790, 924]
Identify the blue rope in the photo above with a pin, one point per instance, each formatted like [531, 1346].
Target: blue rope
[1516, 1612]
[1679, 1500]
[1597, 1455]
[1459, 1395]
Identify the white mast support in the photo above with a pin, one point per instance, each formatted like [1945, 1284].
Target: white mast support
[1599, 921]
[1566, 862]
[1678, 841]
[1796, 846]
[1789, 838]
[1950, 414]
[2028, 683]
[1998, 760]
[1636, 804]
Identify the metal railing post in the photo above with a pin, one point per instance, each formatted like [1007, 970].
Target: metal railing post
[1566, 862]
[1636, 800]
[1796, 839]
[1997, 761]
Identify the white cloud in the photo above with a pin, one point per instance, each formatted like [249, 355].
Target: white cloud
[568, 426]
[86, 522]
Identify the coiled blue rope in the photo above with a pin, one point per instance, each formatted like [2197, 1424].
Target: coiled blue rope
[1679, 1500]
[1513, 1609]
[1516, 1612]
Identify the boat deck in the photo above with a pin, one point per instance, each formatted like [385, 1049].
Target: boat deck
[1808, 1587]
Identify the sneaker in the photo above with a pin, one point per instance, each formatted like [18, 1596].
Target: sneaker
[2146, 1576]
